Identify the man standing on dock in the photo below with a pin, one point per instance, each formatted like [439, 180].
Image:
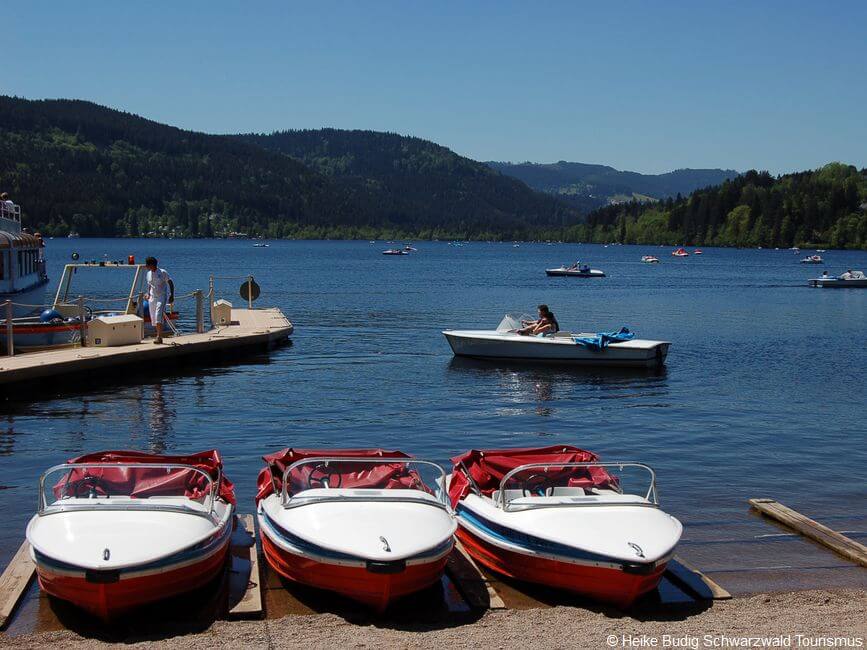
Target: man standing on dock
[161, 292]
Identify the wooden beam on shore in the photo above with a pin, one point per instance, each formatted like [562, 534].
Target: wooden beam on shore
[694, 581]
[840, 544]
[14, 581]
[250, 605]
[474, 586]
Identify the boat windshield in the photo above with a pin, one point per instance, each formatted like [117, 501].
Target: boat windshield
[542, 485]
[126, 486]
[364, 479]
[512, 321]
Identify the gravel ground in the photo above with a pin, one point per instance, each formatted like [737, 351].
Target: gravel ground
[823, 618]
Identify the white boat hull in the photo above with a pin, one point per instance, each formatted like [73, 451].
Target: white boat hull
[563, 272]
[835, 283]
[484, 344]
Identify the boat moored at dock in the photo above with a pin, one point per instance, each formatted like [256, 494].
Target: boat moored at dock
[118, 529]
[365, 523]
[616, 349]
[23, 274]
[558, 517]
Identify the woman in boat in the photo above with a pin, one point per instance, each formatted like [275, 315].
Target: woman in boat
[546, 324]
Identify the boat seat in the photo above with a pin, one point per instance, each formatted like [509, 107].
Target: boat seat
[568, 492]
[513, 494]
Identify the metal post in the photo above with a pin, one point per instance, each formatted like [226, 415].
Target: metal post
[200, 311]
[82, 316]
[211, 301]
[250, 292]
[10, 343]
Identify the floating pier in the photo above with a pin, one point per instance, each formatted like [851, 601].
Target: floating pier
[250, 329]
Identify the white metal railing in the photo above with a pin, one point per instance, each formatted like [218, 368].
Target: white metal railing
[105, 503]
[11, 211]
[362, 493]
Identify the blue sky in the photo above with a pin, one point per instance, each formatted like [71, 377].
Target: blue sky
[645, 86]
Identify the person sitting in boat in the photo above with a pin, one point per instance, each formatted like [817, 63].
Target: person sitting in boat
[546, 324]
[161, 291]
[847, 275]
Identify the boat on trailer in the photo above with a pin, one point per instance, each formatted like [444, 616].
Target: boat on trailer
[365, 523]
[116, 530]
[558, 517]
[616, 349]
[576, 270]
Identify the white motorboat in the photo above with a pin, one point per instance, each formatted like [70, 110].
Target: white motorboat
[585, 348]
[118, 529]
[650, 259]
[576, 270]
[847, 280]
[558, 517]
[369, 524]
[813, 259]
[395, 251]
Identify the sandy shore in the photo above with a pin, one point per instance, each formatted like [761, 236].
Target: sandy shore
[824, 618]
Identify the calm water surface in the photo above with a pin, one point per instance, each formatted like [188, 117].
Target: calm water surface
[763, 395]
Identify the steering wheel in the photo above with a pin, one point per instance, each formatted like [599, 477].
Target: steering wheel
[91, 487]
[322, 476]
[537, 483]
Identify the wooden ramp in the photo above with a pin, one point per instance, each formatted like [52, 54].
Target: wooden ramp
[14, 582]
[840, 544]
[477, 588]
[250, 329]
[245, 601]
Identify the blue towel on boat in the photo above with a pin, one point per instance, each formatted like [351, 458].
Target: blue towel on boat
[602, 339]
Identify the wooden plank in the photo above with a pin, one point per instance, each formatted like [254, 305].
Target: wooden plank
[14, 581]
[250, 604]
[694, 581]
[840, 544]
[471, 582]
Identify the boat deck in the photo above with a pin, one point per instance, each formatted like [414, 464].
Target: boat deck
[250, 329]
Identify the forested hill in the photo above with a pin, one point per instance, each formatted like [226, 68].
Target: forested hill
[826, 207]
[594, 186]
[413, 178]
[75, 165]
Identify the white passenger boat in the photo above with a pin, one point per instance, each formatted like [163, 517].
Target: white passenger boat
[584, 348]
[118, 529]
[369, 524]
[847, 280]
[557, 517]
[576, 270]
[23, 274]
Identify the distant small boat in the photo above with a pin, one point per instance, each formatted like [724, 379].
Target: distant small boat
[261, 245]
[394, 251]
[821, 250]
[649, 259]
[813, 259]
[73, 235]
[576, 270]
[697, 251]
[680, 252]
[409, 248]
[849, 279]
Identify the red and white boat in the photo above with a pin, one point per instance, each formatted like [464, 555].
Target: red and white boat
[680, 252]
[558, 517]
[370, 524]
[697, 251]
[119, 529]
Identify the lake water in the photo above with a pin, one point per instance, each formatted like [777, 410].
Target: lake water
[764, 394]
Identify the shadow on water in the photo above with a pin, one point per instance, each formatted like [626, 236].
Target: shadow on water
[556, 370]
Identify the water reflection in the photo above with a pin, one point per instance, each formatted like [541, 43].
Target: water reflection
[153, 416]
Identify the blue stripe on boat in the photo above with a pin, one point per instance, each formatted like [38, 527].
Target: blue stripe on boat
[530, 542]
[308, 547]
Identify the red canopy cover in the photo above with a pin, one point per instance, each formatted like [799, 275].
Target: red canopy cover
[150, 481]
[488, 467]
[343, 475]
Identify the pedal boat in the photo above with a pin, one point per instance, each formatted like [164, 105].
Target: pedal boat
[556, 516]
[359, 522]
[506, 344]
[117, 529]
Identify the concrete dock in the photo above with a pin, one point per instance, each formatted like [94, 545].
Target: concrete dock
[250, 329]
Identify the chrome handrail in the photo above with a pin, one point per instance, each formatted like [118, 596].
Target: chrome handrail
[651, 491]
[211, 491]
[442, 497]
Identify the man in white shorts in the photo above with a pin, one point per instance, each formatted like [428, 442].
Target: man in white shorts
[161, 292]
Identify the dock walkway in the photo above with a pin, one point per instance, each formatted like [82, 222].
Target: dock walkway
[256, 328]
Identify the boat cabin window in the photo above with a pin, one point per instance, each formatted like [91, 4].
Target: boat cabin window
[319, 479]
[95, 486]
[545, 485]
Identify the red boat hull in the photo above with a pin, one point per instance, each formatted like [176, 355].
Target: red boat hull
[607, 585]
[109, 600]
[376, 590]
